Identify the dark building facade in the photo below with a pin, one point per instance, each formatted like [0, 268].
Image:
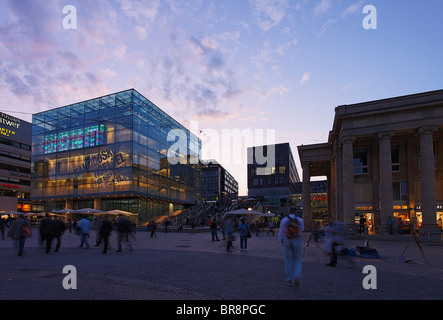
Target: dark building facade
[119, 151]
[277, 176]
[218, 185]
[15, 164]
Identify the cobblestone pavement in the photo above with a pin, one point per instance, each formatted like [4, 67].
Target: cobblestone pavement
[184, 266]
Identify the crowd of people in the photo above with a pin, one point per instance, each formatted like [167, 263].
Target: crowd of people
[50, 229]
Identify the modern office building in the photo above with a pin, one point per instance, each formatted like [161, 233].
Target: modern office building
[218, 185]
[15, 164]
[272, 172]
[119, 151]
[383, 159]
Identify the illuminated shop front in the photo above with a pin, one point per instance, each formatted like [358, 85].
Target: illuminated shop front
[15, 164]
[114, 152]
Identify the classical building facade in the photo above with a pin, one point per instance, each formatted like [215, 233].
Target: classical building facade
[383, 159]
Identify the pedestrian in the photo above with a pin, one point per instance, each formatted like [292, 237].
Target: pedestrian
[98, 238]
[153, 226]
[49, 230]
[104, 231]
[222, 229]
[2, 227]
[361, 228]
[124, 228]
[74, 225]
[257, 229]
[213, 227]
[390, 224]
[229, 231]
[291, 228]
[333, 239]
[69, 224]
[400, 226]
[193, 222]
[19, 230]
[84, 226]
[270, 228]
[243, 230]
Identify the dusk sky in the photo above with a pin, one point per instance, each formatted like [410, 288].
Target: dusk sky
[226, 64]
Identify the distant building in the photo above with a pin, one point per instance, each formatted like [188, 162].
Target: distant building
[274, 181]
[318, 197]
[15, 164]
[218, 185]
[383, 159]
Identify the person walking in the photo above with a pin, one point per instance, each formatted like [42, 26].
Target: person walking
[69, 224]
[2, 227]
[213, 227]
[124, 228]
[19, 230]
[243, 229]
[390, 225]
[333, 238]
[153, 226]
[49, 230]
[104, 233]
[290, 231]
[229, 231]
[85, 226]
[270, 228]
[400, 226]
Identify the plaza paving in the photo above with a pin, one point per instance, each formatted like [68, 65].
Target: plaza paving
[185, 266]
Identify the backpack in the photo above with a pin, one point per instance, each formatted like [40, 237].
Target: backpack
[26, 231]
[293, 228]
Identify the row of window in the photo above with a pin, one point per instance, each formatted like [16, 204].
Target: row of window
[15, 144]
[361, 165]
[268, 181]
[268, 170]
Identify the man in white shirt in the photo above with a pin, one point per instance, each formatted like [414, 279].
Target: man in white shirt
[292, 246]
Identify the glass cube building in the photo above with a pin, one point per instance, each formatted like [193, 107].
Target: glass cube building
[119, 151]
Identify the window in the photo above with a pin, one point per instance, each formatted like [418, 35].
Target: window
[399, 191]
[361, 161]
[282, 170]
[395, 157]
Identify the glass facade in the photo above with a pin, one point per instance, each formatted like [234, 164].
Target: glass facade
[119, 145]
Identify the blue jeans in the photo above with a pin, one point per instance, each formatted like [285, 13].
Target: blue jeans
[292, 253]
[84, 240]
[243, 242]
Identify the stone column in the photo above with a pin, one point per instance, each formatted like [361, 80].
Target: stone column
[97, 203]
[348, 183]
[332, 195]
[385, 169]
[427, 177]
[307, 211]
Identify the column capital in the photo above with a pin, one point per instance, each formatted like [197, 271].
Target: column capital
[427, 130]
[385, 135]
[347, 139]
